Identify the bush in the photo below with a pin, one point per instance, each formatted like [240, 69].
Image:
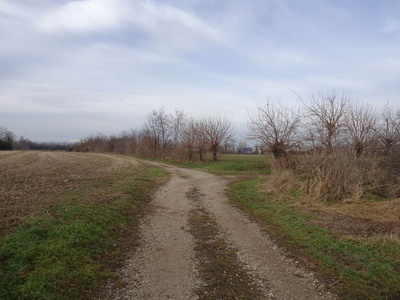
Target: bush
[341, 176]
[4, 145]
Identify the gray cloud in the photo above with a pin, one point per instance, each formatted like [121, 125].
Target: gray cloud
[67, 64]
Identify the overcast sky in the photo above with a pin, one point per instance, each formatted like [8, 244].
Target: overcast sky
[69, 69]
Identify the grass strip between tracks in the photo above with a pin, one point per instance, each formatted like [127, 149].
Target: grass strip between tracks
[65, 252]
[357, 267]
[223, 276]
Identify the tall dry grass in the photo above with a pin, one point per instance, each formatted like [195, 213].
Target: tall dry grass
[339, 176]
[352, 196]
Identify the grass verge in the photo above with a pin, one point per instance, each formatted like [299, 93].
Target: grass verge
[356, 267]
[60, 254]
[224, 277]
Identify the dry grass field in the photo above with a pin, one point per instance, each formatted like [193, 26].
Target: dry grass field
[34, 182]
[63, 219]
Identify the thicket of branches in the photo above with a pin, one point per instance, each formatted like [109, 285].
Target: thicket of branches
[6, 139]
[168, 135]
[339, 149]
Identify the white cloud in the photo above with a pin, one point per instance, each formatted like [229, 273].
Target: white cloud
[81, 16]
[186, 21]
[172, 28]
[157, 20]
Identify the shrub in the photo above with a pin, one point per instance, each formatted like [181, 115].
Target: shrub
[341, 176]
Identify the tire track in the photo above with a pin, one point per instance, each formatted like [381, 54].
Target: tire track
[223, 275]
[162, 266]
[191, 229]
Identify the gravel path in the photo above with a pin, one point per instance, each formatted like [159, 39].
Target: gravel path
[164, 266]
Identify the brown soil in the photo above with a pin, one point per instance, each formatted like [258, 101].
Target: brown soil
[173, 258]
[344, 225]
[32, 182]
[358, 219]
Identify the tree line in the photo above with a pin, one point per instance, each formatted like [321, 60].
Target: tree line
[325, 123]
[168, 135]
[9, 141]
[339, 148]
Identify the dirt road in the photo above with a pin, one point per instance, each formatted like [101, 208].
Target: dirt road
[175, 259]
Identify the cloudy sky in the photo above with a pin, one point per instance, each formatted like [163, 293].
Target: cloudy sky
[69, 69]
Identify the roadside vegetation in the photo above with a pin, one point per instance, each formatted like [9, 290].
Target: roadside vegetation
[62, 218]
[357, 257]
[333, 197]
[353, 246]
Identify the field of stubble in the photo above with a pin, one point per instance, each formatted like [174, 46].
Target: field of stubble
[34, 182]
[63, 218]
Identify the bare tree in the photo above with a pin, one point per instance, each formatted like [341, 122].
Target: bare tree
[388, 130]
[7, 138]
[360, 125]
[193, 139]
[23, 143]
[275, 127]
[189, 137]
[129, 140]
[215, 129]
[94, 143]
[178, 119]
[145, 143]
[164, 123]
[201, 139]
[151, 131]
[3, 130]
[158, 125]
[327, 119]
[230, 145]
